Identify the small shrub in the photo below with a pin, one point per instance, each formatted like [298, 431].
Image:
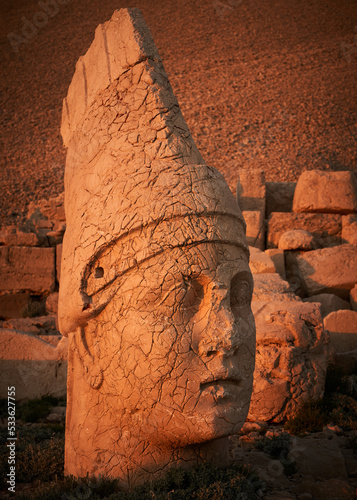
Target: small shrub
[311, 417]
[204, 482]
[338, 409]
[337, 381]
[278, 448]
[344, 413]
[275, 447]
[36, 409]
[43, 461]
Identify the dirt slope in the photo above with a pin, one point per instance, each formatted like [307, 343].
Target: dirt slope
[263, 83]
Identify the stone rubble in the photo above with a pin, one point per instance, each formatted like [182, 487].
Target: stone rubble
[326, 192]
[323, 465]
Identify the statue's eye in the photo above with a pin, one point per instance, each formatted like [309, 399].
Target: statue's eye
[241, 292]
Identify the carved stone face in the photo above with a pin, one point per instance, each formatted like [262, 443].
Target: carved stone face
[176, 345]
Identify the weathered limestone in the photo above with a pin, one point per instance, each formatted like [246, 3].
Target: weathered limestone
[27, 269]
[269, 287]
[297, 239]
[251, 190]
[260, 262]
[329, 270]
[39, 325]
[35, 367]
[277, 256]
[349, 229]
[155, 285]
[326, 192]
[18, 238]
[326, 228]
[292, 350]
[291, 358]
[329, 302]
[342, 328]
[255, 232]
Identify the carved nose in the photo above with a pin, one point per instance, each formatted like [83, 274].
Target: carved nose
[220, 335]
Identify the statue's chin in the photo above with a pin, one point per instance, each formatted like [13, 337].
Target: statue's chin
[214, 422]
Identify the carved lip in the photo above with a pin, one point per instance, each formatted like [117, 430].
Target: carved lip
[227, 378]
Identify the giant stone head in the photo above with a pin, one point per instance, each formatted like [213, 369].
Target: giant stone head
[155, 286]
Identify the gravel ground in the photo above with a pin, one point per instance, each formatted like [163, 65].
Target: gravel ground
[261, 83]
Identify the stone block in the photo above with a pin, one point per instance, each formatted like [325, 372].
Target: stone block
[27, 269]
[329, 302]
[320, 458]
[20, 239]
[260, 262]
[40, 325]
[329, 270]
[326, 228]
[277, 256]
[326, 192]
[33, 366]
[291, 358]
[297, 239]
[12, 305]
[255, 233]
[349, 229]
[342, 328]
[279, 197]
[269, 287]
[251, 190]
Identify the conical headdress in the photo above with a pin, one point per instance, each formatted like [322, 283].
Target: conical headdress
[135, 183]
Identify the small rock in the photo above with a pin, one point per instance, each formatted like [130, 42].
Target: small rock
[333, 428]
[254, 426]
[297, 239]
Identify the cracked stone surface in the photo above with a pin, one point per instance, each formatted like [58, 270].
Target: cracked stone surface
[156, 290]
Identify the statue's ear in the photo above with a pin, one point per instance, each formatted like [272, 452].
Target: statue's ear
[89, 359]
